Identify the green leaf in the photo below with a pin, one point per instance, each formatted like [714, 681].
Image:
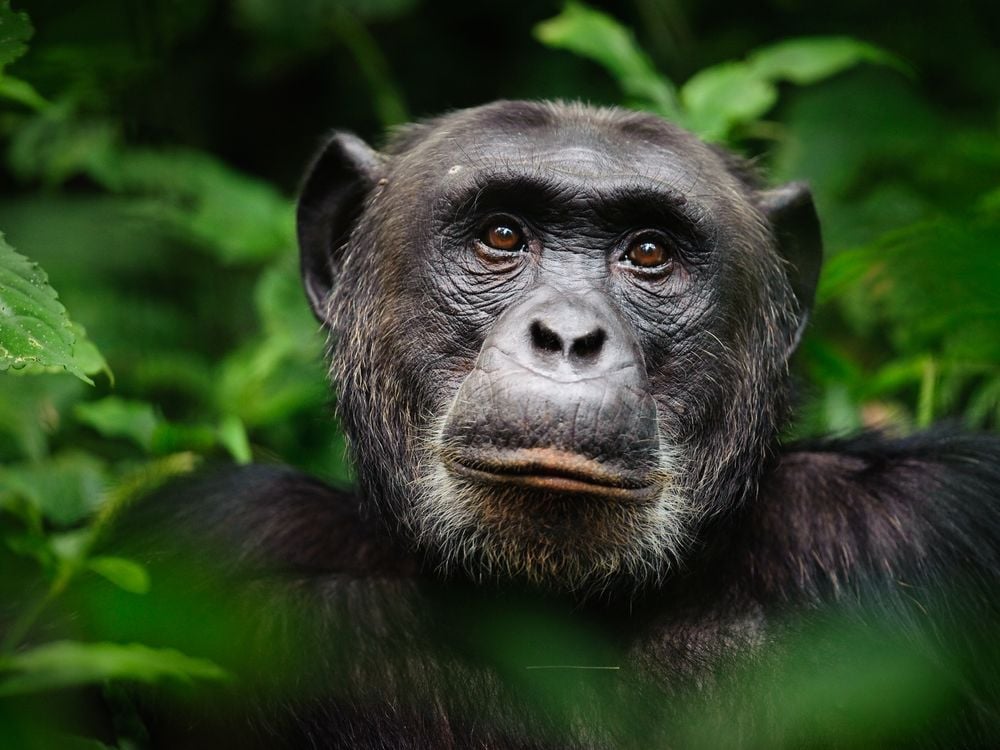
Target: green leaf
[15, 31]
[726, 95]
[64, 489]
[118, 417]
[88, 356]
[809, 60]
[599, 37]
[65, 664]
[34, 326]
[125, 574]
[233, 436]
[21, 92]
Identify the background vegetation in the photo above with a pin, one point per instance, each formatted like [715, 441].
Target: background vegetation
[151, 152]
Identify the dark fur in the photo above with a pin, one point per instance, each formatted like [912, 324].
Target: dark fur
[352, 634]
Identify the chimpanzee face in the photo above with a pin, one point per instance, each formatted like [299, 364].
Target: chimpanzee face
[560, 334]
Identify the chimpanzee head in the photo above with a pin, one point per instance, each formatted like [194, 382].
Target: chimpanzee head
[560, 334]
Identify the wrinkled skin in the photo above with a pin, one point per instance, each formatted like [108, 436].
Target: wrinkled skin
[523, 456]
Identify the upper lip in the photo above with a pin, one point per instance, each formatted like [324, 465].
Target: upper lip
[553, 469]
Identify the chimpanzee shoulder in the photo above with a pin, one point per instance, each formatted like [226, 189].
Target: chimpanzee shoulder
[871, 516]
[260, 519]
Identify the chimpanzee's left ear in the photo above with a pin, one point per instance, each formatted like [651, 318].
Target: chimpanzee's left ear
[790, 212]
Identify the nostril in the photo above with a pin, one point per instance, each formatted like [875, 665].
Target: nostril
[588, 346]
[544, 338]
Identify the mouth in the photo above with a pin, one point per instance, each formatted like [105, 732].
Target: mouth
[552, 470]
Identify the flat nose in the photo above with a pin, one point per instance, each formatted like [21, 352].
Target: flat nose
[567, 339]
[568, 335]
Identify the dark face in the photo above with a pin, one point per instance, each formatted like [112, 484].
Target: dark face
[560, 335]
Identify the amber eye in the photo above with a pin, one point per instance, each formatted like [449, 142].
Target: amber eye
[646, 252]
[502, 235]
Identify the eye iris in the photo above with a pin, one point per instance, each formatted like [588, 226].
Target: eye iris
[502, 237]
[647, 254]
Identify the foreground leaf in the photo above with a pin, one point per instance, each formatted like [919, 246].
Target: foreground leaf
[64, 664]
[34, 326]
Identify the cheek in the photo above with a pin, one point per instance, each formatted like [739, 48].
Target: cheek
[460, 299]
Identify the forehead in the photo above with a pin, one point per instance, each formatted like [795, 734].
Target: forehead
[586, 150]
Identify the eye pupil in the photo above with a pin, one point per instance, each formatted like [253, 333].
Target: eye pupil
[502, 237]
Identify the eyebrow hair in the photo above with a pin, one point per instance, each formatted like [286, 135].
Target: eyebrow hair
[636, 201]
[649, 203]
[504, 188]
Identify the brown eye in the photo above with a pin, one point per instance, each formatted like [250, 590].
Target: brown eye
[502, 235]
[647, 253]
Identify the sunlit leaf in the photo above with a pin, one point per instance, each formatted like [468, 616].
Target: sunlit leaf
[34, 326]
[725, 95]
[599, 37]
[64, 664]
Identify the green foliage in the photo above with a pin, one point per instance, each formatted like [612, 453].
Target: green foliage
[717, 101]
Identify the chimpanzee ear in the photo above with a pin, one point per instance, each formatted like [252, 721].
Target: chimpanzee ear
[341, 176]
[789, 210]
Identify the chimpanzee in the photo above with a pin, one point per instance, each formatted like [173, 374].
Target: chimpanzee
[560, 337]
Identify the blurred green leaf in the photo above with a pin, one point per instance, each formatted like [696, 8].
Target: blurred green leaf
[599, 37]
[34, 326]
[31, 412]
[118, 417]
[55, 145]
[239, 218]
[64, 664]
[233, 436]
[15, 31]
[22, 92]
[125, 574]
[808, 60]
[720, 98]
[65, 489]
[723, 96]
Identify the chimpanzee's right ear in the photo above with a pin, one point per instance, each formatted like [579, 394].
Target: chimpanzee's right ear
[338, 181]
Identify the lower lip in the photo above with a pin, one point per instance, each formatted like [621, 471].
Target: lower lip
[560, 484]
